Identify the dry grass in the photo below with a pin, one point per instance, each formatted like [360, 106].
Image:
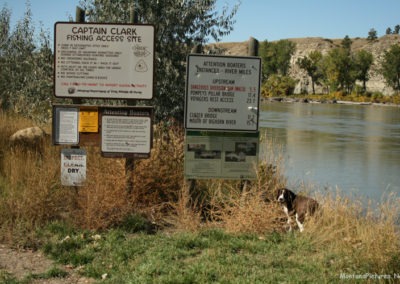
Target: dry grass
[31, 196]
[348, 228]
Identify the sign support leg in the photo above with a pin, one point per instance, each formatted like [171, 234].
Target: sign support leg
[130, 162]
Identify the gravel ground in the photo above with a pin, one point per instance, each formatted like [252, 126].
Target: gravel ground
[22, 263]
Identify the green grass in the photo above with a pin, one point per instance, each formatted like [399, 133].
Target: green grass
[209, 256]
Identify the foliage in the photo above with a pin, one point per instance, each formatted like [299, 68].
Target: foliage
[311, 64]
[276, 57]
[372, 35]
[277, 85]
[363, 61]
[179, 26]
[26, 73]
[339, 70]
[390, 67]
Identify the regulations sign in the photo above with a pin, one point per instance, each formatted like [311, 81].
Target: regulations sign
[222, 93]
[107, 61]
[126, 132]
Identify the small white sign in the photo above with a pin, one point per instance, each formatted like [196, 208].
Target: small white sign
[73, 167]
[107, 61]
[65, 124]
[222, 93]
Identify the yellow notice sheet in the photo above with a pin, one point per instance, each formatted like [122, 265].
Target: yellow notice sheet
[89, 120]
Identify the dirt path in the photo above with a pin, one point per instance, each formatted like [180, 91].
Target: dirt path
[22, 263]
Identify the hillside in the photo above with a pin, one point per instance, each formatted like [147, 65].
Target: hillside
[305, 45]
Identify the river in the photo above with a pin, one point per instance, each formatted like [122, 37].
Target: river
[352, 148]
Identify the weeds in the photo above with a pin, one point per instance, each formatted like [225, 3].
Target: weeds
[216, 231]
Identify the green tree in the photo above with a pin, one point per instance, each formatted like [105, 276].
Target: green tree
[396, 29]
[346, 43]
[311, 64]
[363, 61]
[26, 67]
[276, 57]
[388, 31]
[390, 67]
[179, 26]
[339, 70]
[372, 35]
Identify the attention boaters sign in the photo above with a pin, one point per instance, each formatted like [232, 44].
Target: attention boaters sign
[222, 93]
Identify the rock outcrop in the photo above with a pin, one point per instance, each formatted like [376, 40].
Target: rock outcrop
[304, 46]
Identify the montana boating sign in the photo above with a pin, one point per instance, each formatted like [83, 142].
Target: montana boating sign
[222, 93]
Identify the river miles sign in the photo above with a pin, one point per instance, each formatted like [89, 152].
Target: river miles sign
[106, 61]
[222, 93]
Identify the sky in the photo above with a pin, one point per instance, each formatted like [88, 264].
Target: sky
[262, 19]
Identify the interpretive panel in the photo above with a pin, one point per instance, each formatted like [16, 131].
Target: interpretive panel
[222, 93]
[107, 61]
[226, 155]
[126, 132]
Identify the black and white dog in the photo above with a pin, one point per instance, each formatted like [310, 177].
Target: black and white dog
[296, 206]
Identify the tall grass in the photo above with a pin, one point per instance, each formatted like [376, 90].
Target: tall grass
[344, 235]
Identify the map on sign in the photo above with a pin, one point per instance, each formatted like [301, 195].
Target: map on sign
[107, 61]
[222, 93]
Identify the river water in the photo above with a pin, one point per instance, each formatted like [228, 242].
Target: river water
[352, 148]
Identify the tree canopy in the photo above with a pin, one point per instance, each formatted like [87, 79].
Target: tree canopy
[179, 26]
[390, 67]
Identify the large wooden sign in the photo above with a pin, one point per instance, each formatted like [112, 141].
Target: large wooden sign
[222, 93]
[107, 61]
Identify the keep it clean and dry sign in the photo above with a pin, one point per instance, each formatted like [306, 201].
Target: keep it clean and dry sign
[222, 93]
[73, 167]
[107, 61]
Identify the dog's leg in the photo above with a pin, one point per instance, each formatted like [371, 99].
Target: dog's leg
[289, 222]
[301, 226]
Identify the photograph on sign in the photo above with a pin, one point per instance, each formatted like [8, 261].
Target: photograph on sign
[227, 155]
[222, 93]
[73, 167]
[107, 61]
[126, 131]
[65, 125]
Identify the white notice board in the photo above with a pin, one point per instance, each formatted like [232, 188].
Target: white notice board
[126, 131]
[65, 125]
[222, 93]
[107, 61]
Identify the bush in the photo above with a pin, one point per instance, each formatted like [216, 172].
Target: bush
[277, 86]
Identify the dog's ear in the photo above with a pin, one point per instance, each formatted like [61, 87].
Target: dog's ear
[290, 195]
[278, 193]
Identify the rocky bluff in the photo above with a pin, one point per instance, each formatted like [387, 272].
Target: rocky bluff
[304, 46]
